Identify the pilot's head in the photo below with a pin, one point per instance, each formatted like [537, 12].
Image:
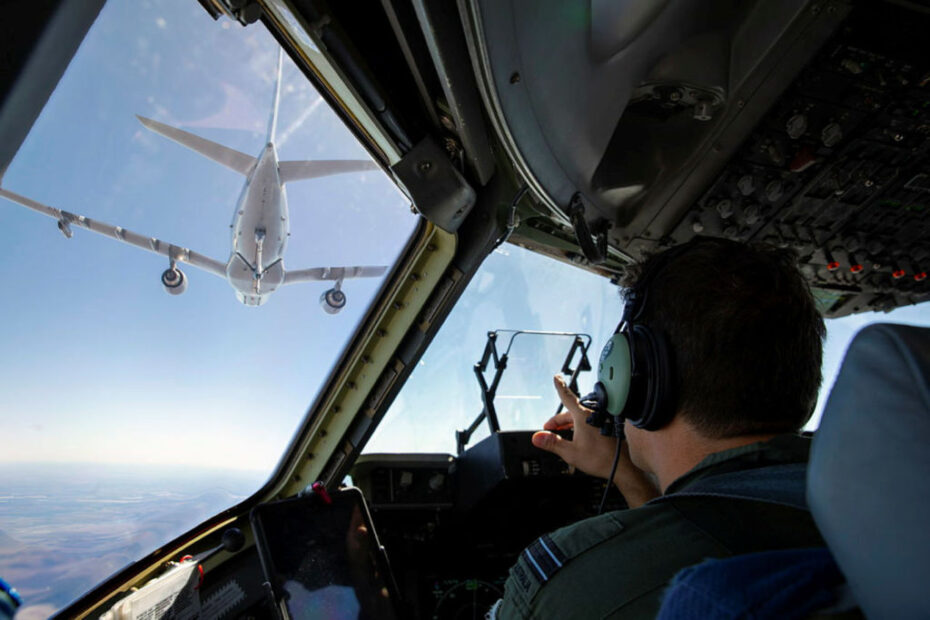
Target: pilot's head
[744, 334]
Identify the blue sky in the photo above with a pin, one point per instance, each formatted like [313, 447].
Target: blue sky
[101, 364]
[514, 289]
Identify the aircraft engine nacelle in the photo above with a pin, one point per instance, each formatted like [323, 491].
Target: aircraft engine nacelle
[174, 281]
[333, 301]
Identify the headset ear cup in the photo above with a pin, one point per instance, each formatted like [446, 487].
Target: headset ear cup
[653, 376]
[614, 372]
[666, 383]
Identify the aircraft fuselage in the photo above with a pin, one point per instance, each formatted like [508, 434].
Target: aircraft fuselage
[259, 232]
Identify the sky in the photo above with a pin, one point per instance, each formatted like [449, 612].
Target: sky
[513, 289]
[100, 363]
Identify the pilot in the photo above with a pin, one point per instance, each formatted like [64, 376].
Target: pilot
[712, 373]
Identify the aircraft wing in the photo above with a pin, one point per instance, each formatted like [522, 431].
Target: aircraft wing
[332, 273]
[66, 220]
[297, 170]
[231, 158]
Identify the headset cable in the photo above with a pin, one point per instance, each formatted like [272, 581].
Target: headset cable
[613, 469]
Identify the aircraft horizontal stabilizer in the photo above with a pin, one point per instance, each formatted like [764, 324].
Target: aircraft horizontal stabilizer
[231, 158]
[66, 220]
[297, 170]
[332, 273]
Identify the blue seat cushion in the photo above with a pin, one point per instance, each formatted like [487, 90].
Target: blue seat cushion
[782, 584]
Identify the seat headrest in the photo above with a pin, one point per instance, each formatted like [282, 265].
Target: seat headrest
[869, 475]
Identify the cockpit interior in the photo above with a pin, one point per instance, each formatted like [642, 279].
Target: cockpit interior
[591, 133]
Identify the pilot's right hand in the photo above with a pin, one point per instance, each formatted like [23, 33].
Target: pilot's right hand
[590, 451]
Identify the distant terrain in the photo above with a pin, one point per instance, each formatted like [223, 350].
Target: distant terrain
[64, 528]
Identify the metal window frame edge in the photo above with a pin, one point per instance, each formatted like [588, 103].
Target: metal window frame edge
[328, 74]
[473, 27]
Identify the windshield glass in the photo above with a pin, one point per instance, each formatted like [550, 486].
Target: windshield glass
[841, 331]
[130, 415]
[517, 289]
[514, 289]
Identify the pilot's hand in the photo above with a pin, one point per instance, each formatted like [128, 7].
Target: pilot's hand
[590, 451]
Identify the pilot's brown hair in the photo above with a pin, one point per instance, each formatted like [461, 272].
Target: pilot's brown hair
[745, 333]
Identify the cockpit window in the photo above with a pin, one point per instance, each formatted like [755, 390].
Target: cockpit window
[841, 331]
[518, 290]
[514, 289]
[132, 412]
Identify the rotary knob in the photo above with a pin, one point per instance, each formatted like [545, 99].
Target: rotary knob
[796, 126]
[753, 214]
[725, 208]
[831, 135]
[746, 185]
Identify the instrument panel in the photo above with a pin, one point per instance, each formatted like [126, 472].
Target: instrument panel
[453, 526]
[839, 169]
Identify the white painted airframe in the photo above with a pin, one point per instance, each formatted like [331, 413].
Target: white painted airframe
[255, 267]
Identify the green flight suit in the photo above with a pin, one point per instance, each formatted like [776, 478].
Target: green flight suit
[617, 565]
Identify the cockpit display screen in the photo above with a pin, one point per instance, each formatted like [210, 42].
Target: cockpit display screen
[324, 560]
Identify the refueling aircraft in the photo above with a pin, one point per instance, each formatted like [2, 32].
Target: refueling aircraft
[260, 229]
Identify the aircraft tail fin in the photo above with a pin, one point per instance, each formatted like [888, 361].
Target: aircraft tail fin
[231, 158]
[273, 122]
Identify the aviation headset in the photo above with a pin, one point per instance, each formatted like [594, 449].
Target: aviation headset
[636, 372]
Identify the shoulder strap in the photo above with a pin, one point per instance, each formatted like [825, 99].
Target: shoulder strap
[777, 484]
